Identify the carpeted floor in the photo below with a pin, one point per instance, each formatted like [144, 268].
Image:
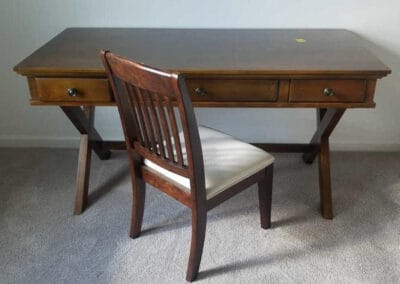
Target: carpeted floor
[42, 242]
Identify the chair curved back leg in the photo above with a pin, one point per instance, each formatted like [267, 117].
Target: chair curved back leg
[265, 197]
[138, 200]
[199, 220]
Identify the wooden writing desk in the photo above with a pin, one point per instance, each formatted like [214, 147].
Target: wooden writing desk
[328, 70]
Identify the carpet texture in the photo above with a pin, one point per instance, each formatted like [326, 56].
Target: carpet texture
[42, 242]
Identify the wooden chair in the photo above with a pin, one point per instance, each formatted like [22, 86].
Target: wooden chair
[198, 166]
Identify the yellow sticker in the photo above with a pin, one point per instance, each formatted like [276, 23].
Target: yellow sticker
[300, 40]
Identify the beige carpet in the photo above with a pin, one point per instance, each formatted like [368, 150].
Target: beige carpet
[42, 242]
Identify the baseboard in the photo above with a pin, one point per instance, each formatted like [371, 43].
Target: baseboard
[364, 147]
[73, 142]
[39, 142]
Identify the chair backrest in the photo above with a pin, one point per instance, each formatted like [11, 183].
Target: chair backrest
[145, 98]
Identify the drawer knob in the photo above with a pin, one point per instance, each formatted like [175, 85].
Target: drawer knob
[329, 92]
[72, 92]
[200, 92]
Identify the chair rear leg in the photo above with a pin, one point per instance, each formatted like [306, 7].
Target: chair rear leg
[265, 197]
[139, 194]
[199, 220]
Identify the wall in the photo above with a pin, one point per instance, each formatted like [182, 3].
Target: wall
[26, 25]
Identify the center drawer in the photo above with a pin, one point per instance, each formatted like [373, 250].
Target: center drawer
[73, 89]
[233, 90]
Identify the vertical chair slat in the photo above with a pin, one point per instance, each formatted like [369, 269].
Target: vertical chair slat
[146, 140]
[175, 132]
[139, 118]
[147, 121]
[156, 124]
[165, 128]
[130, 95]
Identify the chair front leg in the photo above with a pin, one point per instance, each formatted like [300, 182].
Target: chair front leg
[199, 220]
[265, 197]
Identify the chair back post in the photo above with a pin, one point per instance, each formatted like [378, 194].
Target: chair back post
[192, 140]
[129, 132]
[144, 97]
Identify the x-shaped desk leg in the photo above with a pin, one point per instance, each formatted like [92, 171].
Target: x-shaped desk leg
[327, 119]
[83, 119]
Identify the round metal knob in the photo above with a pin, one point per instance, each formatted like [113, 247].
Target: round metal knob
[72, 92]
[329, 92]
[200, 92]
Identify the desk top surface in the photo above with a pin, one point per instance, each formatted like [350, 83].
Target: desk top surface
[200, 51]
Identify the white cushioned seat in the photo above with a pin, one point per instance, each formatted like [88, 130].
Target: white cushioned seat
[227, 161]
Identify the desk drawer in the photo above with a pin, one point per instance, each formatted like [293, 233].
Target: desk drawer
[232, 90]
[81, 89]
[327, 90]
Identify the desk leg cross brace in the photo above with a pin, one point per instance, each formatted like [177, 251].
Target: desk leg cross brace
[327, 119]
[83, 120]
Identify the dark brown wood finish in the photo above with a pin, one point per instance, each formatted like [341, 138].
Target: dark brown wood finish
[83, 119]
[310, 154]
[327, 119]
[326, 123]
[144, 98]
[80, 120]
[83, 172]
[269, 147]
[220, 90]
[328, 90]
[87, 90]
[265, 197]
[232, 68]
[200, 51]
